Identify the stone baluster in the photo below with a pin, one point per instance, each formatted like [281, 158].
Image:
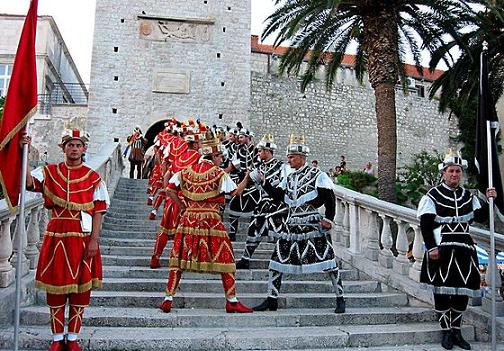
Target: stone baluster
[18, 252]
[487, 300]
[6, 269]
[373, 247]
[32, 237]
[401, 262]
[345, 235]
[386, 257]
[418, 253]
[353, 218]
[43, 220]
[338, 222]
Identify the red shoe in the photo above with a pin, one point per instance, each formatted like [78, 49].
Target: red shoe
[237, 307]
[152, 216]
[57, 346]
[166, 306]
[73, 346]
[149, 202]
[154, 262]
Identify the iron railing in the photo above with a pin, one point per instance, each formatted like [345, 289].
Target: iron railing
[63, 94]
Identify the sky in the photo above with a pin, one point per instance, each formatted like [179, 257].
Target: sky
[75, 20]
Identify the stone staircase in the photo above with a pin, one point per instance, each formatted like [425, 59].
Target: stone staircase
[124, 314]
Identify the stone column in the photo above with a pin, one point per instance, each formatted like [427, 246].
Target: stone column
[414, 272]
[32, 235]
[401, 263]
[353, 217]
[487, 300]
[386, 257]
[373, 247]
[18, 251]
[345, 237]
[6, 269]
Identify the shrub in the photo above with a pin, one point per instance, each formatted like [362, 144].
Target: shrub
[356, 180]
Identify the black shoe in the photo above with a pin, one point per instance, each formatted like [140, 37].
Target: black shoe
[243, 264]
[270, 304]
[340, 305]
[458, 340]
[447, 341]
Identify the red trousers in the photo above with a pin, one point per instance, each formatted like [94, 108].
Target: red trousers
[77, 302]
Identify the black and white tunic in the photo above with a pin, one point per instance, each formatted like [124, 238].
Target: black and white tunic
[267, 210]
[244, 160]
[445, 215]
[303, 246]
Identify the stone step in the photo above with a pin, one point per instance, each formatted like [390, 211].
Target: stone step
[144, 261]
[242, 274]
[149, 243]
[143, 232]
[209, 339]
[204, 318]
[215, 300]
[147, 251]
[215, 286]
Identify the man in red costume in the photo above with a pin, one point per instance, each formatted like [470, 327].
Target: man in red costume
[170, 219]
[69, 265]
[201, 243]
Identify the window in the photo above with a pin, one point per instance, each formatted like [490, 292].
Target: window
[5, 74]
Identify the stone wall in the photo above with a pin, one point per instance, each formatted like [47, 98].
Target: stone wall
[46, 129]
[155, 59]
[343, 121]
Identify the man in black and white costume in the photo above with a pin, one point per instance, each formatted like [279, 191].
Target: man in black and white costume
[450, 264]
[266, 211]
[243, 161]
[303, 237]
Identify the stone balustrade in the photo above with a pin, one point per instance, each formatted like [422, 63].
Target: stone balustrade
[109, 164]
[384, 240]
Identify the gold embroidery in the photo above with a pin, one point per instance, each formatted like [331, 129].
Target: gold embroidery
[73, 181]
[200, 196]
[202, 232]
[67, 234]
[95, 283]
[195, 266]
[66, 204]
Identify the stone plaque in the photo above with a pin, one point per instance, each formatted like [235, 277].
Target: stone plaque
[171, 82]
[175, 29]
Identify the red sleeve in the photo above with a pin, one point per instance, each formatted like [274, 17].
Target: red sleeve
[100, 206]
[38, 186]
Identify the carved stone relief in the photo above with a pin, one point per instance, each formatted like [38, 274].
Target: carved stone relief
[181, 30]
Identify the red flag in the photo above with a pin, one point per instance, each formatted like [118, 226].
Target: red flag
[20, 105]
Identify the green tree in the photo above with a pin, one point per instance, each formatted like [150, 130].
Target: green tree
[458, 87]
[321, 31]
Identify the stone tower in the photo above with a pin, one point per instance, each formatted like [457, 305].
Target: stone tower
[157, 59]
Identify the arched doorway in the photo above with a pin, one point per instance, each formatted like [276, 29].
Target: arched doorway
[153, 131]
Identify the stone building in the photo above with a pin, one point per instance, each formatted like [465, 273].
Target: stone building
[157, 59]
[62, 93]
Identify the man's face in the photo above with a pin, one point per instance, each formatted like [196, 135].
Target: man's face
[264, 154]
[74, 149]
[314, 164]
[217, 159]
[231, 137]
[243, 139]
[452, 176]
[296, 161]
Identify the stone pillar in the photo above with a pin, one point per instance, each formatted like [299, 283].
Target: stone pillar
[338, 221]
[18, 251]
[6, 269]
[401, 263]
[386, 257]
[345, 237]
[353, 216]
[32, 235]
[414, 272]
[487, 300]
[373, 247]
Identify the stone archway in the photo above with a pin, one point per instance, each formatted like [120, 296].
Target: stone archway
[154, 130]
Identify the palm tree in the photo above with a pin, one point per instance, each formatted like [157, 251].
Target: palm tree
[384, 31]
[459, 85]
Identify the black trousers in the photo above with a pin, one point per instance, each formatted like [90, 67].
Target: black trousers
[138, 166]
[449, 309]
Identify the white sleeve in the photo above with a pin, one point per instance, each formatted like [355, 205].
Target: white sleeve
[38, 174]
[426, 205]
[101, 193]
[227, 184]
[476, 203]
[175, 179]
[323, 181]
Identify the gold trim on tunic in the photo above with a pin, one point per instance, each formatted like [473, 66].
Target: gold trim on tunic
[94, 283]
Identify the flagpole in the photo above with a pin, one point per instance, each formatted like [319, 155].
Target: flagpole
[491, 254]
[20, 237]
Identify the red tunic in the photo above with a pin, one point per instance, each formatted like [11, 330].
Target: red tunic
[62, 267]
[201, 242]
[170, 219]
